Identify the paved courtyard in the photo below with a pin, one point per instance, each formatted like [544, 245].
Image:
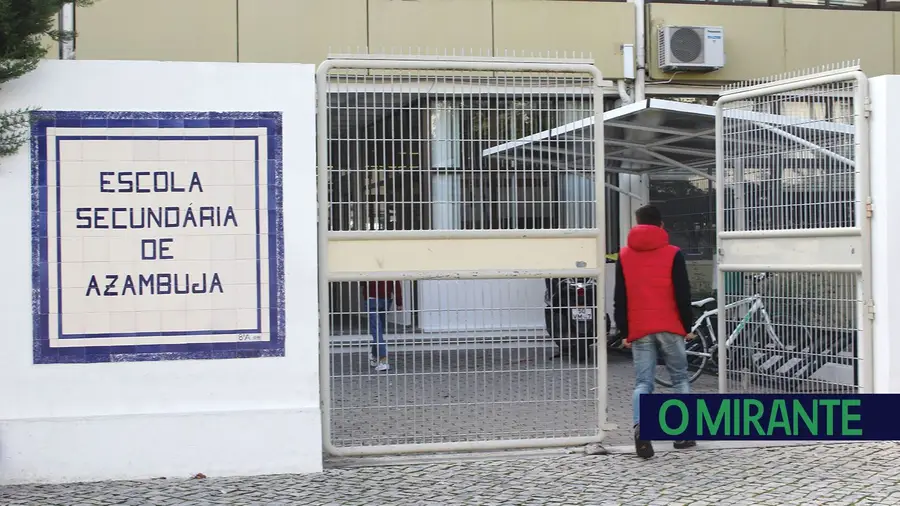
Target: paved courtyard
[836, 474]
[466, 394]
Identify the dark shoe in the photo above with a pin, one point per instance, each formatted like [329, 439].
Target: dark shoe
[681, 445]
[643, 448]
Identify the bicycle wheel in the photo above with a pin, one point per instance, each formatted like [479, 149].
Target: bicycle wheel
[700, 351]
[698, 357]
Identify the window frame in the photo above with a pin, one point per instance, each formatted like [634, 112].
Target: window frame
[871, 5]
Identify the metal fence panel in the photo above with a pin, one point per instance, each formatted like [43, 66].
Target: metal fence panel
[793, 235]
[455, 260]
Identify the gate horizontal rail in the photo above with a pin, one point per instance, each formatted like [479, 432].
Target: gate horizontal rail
[792, 233]
[415, 235]
[479, 274]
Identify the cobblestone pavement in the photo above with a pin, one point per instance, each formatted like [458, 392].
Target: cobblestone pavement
[836, 474]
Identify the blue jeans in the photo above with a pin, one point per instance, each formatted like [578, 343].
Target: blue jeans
[377, 314]
[644, 353]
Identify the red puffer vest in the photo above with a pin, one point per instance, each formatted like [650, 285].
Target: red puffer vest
[647, 267]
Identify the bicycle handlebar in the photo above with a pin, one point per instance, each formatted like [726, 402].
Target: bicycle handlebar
[763, 276]
[755, 279]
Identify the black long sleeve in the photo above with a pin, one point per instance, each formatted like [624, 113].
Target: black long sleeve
[620, 301]
[682, 286]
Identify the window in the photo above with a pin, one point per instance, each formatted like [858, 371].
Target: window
[814, 4]
[829, 4]
[720, 2]
[495, 200]
[688, 204]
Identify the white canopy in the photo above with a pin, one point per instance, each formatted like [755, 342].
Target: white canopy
[678, 138]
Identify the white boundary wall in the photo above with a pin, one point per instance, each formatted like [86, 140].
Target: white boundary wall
[126, 420]
[885, 173]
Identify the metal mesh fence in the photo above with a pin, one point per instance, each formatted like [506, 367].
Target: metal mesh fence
[454, 358]
[790, 173]
[401, 143]
[791, 160]
[477, 366]
[793, 332]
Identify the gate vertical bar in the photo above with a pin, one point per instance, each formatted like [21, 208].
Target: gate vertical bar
[600, 223]
[863, 181]
[322, 175]
[721, 298]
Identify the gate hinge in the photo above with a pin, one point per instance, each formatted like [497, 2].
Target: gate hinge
[867, 107]
[870, 207]
[870, 309]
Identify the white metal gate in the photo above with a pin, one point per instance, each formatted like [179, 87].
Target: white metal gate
[447, 255]
[793, 208]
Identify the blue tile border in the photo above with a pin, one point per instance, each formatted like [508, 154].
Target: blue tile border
[270, 161]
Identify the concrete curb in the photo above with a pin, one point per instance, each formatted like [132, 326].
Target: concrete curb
[659, 446]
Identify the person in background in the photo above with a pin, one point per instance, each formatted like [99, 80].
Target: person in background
[380, 296]
[652, 309]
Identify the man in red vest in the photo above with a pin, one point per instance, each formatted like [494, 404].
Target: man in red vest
[653, 310]
[380, 296]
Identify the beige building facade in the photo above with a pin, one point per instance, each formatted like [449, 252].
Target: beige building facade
[762, 38]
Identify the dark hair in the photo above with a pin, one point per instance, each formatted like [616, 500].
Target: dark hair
[648, 215]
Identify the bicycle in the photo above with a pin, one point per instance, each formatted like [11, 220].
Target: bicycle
[702, 349]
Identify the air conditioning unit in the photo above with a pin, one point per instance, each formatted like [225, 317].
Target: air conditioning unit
[691, 48]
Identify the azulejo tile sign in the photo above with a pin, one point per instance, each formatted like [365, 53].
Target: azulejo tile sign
[156, 236]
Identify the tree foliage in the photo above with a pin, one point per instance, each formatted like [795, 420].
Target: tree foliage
[23, 26]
